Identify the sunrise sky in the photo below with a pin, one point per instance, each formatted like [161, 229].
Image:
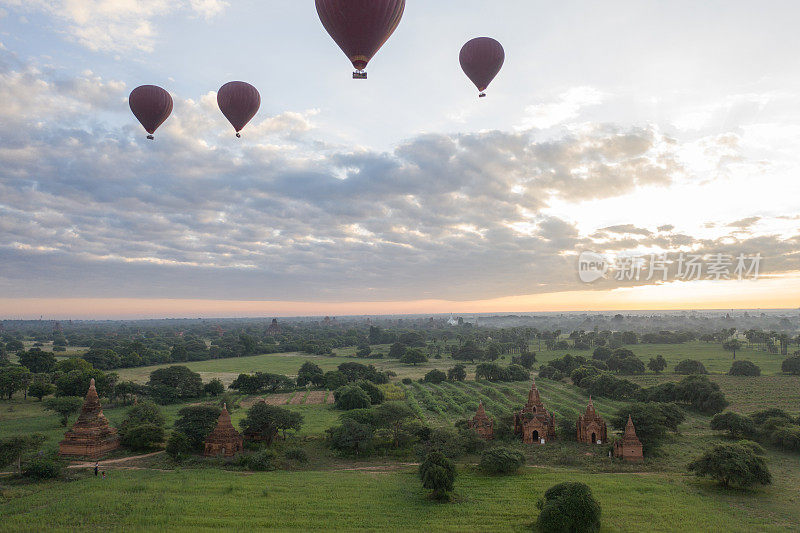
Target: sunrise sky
[623, 128]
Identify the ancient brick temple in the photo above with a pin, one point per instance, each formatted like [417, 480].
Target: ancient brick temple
[482, 423]
[274, 328]
[91, 436]
[591, 427]
[224, 440]
[533, 422]
[629, 447]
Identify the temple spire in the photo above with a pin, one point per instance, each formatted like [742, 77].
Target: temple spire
[630, 430]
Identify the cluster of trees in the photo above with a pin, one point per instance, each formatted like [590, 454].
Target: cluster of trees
[495, 372]
[23, 452]
[773, 427]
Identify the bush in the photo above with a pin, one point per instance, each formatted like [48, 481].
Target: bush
[549, 372]
[42, 468]
[351, 437]
[733, 464]
[39, 389]
[689, 366]
[791, 365]
[142, 437]
[407, 381]
[351, 397]
[435, 376]
[744, 368]
[376, 396]
[178, 446]
[525, 360]
[196, 422]
[501, 461]
[438, 474]
[735, 424]
[215, 387]
[262, 461]
[457, 373]
[569, 508]
[786, 438]
[297, 454]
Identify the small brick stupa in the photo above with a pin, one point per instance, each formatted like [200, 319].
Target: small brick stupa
[533, 422]
[91, 436]
[274, 328]
[224, 441]
[591, 427]
[482, 423]
[629, 447]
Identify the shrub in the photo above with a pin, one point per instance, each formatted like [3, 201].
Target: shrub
[732, 464]
[791, 365]
[42, 468]
[407, 381]
[142, 437]
[435, 376]
[744, 368]
[261, 461]
[570, 508]
[297, 454]
[438, 474]
[215, 387]
[351, 397]
[501, 461]
[689, 366]
[735, 424]
[786, 438]
[178, 446]
[582, 373]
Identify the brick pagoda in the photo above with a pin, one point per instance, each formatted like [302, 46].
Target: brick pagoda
[629, 447]
[224, 441]
[591, 427]
[482, 423]
[274, 328]
[533, 422]
[91, 436]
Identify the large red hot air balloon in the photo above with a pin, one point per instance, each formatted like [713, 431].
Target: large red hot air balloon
[360, 27]
[481, 59]
[239, 102]
[152, 105]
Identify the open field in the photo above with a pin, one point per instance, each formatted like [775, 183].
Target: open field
[388, 499]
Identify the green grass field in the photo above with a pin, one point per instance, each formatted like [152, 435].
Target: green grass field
[389, 499]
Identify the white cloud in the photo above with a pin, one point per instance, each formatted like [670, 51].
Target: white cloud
[115, 25]
[566, 107]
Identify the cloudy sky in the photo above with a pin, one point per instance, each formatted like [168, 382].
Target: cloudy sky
[623, 128]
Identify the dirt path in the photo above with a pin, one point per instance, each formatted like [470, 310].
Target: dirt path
[114, 462]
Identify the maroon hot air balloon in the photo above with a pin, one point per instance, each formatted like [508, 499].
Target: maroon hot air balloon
[152, 105]
[239, 102]
[360, 27]
[481, 59]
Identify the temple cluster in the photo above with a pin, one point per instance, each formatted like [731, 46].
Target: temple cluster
[535, 425]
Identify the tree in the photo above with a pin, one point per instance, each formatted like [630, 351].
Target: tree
[351, 397]
[102, 358]
[40, 388]
[178, 446]
[310, 373]
[791, 365]
[457, 373]
[435, 376]
[735, 424]
[13, 448]
[569, 507]
[657, 364]
[602, 353]
[376, 396]
[501, 460]
[689, 366]
[438, 474]
[334, 379]
[73, 363]
[351, 437]
[13, 379]
[744, 368]
[14, 345]
[732, 345]
[37, 361]
[175, 383]
[413, 356]
[143, 427]
[526, 359]
[652, 421]
[468, 352]
[215, 387]
[76, 383]
[397, 350]
[196, 422]
[266, 421]
[64, 406]
[733, 464]
[391, 416]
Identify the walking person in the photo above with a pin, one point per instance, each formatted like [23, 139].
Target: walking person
[96, 468]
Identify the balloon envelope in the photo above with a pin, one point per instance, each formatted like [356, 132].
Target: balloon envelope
[481, 59]
[239, 102]
[360, 27]
[151, 105]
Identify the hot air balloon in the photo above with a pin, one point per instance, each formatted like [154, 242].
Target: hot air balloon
[239, 102]
[152, 105]
[360, 27]
[481, 59]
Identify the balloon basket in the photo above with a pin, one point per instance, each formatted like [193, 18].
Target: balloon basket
[359, 75]
[238, 135]
[150, 137]
[482, 95]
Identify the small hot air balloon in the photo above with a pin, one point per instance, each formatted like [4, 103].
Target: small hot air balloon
[360, 27]
[481, 59]
[239, 102]
[151, 105]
